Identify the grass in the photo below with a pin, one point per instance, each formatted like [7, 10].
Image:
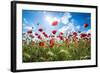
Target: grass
[36, 53]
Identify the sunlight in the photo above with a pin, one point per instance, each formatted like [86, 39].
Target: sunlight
[49, 19]
[52, 20]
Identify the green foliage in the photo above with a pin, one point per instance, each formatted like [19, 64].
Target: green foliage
[36, 53]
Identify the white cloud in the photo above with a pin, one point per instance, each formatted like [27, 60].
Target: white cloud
[28, 27]
[48, 18]
[65, 18]
[68, 28]
[70, 25]
[63, 29]
[88, 31]
[51, 19]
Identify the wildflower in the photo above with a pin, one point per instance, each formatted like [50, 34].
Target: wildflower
[29, 31]
[88, 35]
[42, 44]
[46, 35]
[61, 33]
[83, 35]
[74, 33]
[39, 37]
[54, 31]
[52, 42]
[54, 23]
[85, 25]
[40, 29]
[61, 37]
[36, 34]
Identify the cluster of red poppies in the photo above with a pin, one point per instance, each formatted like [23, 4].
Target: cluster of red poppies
[75, 36]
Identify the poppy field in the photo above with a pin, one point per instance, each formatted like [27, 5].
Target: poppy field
[55, 36]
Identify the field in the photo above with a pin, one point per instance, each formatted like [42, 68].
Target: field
[71, 48]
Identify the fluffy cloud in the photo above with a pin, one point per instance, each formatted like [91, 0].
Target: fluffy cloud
[88, 31]
[68, 28]
[65, 18]
[50, 19]
[28, 27]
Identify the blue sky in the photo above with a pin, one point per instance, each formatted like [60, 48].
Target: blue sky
[67, 21]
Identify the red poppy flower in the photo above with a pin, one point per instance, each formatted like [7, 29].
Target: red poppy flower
[42, 44]
[54, 23]
[54, 31]
[74, 33]
[46, 35]
[29, 31]
[61, 33]
[85, 25]
[83, 35]
[39, 37]
[75, 39]
[36, 34]
[40, 29]
[52, 42]
[61, 37]
[88, 35]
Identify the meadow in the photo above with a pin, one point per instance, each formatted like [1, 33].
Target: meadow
[75, 46]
